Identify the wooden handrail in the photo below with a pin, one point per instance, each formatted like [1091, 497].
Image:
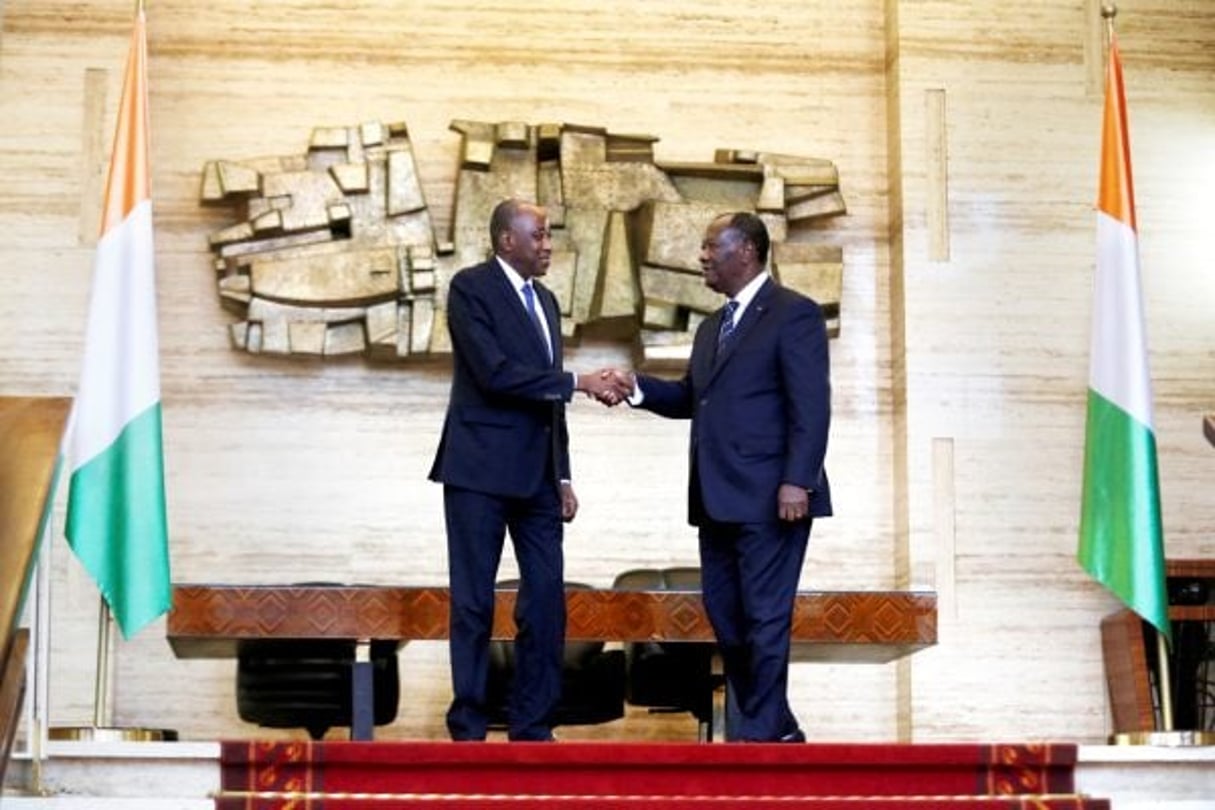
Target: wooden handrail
[30, 432]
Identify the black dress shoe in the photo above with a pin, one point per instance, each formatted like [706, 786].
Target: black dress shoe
[550, 737]
[793, 737]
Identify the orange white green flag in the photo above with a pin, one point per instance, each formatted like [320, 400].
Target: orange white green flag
[1121, 533]
[116, 520]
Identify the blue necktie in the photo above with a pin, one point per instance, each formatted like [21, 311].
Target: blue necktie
[727, 323]
[529, 295]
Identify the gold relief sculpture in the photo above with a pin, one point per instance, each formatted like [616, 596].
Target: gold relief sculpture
[335, 253]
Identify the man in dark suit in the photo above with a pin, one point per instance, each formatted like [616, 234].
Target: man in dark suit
[757, 389]
[504, 462]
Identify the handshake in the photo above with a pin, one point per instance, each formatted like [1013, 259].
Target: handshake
[611, 386]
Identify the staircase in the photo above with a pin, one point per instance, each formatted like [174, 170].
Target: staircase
[457, 776]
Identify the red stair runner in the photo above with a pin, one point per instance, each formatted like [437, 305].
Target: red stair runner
[388, 775]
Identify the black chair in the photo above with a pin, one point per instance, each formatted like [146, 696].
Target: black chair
[306, 683]
[670, 676]
[592, 680]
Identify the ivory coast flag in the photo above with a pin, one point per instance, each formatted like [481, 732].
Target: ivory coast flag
[1121, 539]
[116, 502]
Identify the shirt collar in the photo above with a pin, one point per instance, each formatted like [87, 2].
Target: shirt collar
[747, 293]
[512, 275]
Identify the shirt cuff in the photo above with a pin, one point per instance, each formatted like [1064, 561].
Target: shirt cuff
[637, 397]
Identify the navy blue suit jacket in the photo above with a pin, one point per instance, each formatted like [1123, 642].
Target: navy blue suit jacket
[760, 412]
[505, 432]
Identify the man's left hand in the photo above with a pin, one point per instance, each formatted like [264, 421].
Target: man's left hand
[792, 503]
[569, 502]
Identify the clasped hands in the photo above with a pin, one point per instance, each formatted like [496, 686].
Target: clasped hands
[611, 386]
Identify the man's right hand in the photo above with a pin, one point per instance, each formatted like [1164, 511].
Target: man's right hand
[609, 386]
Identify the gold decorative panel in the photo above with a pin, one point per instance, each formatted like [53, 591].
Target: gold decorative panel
[334, 251]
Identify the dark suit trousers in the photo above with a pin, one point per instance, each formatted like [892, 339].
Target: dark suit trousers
[749, 574]
[476, 526]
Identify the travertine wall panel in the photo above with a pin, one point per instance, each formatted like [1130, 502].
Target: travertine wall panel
[299, 471]
[1005, 378]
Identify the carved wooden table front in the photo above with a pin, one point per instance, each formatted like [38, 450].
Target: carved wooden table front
[207, 621]
[210, 621]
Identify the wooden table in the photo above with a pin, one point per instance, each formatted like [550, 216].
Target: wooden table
[207, 621]
[1125, 642]
[210, 620]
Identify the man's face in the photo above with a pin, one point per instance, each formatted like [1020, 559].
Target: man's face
[528, 245]
[725, 258]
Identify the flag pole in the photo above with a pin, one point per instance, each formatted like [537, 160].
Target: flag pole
[1109, 10]
[101, 730]
[1163, 676]
[101, 679]
[116, 522]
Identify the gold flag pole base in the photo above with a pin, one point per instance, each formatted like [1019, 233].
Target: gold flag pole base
[1167, 739]
[111, 734]
[100, 730]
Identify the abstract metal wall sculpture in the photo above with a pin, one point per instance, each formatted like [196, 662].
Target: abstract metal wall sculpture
[334, 251]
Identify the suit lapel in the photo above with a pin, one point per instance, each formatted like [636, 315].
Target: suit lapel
[704, 348]
[523, 321]
[755, 311]
[548, 308]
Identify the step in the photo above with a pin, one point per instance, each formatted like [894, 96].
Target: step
[648, 769]
[113, 775]
[299, 801]
[185, 775]
[100, 803]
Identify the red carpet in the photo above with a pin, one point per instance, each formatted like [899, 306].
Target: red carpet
[386, 775]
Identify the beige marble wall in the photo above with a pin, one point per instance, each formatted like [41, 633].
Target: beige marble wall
[996, 322]
[966, 138]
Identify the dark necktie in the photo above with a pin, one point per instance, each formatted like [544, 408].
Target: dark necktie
[529, 295]
[727, 323]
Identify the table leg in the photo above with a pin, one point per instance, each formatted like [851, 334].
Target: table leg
[362, 693]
